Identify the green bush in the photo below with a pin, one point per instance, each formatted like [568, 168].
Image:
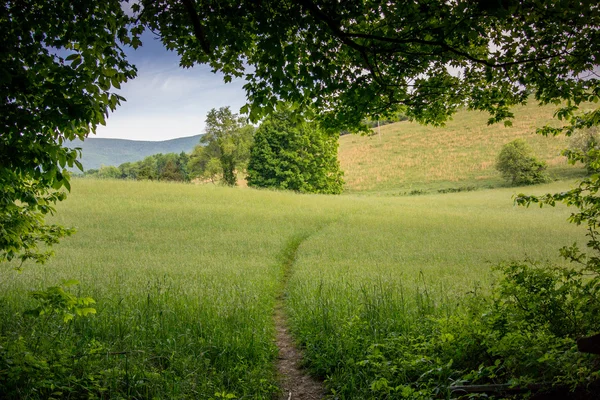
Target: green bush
[290, 153]
[517, 164]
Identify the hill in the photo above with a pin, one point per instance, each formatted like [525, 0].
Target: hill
[408, 157]
[98, 151]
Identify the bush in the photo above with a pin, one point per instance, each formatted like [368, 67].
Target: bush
[293, 154]
[517, 164]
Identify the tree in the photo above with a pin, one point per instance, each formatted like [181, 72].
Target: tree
[182, 165]
[517, 164]
[147, 169]
[199, 159]
[58, 64]
[128, 170]
[584, 142]
[227, 139]
[109, 172]
[171, 172]
[290, 153]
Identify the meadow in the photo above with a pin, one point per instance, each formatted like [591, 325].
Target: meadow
[186, 278]
[405, 156]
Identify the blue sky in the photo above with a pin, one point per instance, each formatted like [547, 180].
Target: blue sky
[166, 101]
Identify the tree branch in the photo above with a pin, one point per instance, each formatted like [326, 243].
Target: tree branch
[346, 38]
[198, 28]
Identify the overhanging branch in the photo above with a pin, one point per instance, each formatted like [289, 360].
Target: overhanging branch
[197, 25]
[347, 39]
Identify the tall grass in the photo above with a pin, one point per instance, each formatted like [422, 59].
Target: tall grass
[186, 278]
[382, 273]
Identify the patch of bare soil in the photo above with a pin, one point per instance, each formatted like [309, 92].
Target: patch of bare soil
[295, 382]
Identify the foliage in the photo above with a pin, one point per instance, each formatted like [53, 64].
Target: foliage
[59, 63]
[524, 332]
[517, 164]
[291, 153]
[585, 198]
[585, 141]
[107, 172]
[57, 300]
[33, 365]
[162, 167]
[560, 300]
[371, 58]
[224, 149]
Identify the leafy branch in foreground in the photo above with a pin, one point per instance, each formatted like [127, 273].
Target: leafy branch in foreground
[59, 63]
[57, 300]
[373, 58]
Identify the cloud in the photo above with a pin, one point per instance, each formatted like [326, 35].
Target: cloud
[170, 104]
[165, 101]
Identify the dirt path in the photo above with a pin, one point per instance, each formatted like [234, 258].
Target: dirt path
[294, 381]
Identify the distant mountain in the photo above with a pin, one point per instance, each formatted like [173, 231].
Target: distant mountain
[97, 151]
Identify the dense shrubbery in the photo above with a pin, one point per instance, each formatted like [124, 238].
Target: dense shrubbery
[523, 333]
[517, 164]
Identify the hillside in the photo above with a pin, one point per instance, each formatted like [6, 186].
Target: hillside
[409, 157]
[98, 151]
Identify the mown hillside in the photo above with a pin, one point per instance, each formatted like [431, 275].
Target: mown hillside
[407, 156]
[99, 151]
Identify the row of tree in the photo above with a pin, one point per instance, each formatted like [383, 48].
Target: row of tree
[162, 167]
[285, 152]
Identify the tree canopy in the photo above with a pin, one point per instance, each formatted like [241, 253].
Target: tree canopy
[162, 167]
[370, 57]
[58, 64]
[343, 61]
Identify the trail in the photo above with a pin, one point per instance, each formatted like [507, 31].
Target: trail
[295, 382]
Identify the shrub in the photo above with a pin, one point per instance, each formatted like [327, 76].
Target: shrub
[294, 154]
[517, 163]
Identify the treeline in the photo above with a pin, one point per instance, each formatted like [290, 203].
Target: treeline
[287, 151]
[159, 167]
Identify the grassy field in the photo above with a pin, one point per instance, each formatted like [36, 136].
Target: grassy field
[186, 276]
[406, 156]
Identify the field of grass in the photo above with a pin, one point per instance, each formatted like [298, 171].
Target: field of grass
[406, 156]
[186, 278]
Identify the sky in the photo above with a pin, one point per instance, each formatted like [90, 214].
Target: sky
[166, 101]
